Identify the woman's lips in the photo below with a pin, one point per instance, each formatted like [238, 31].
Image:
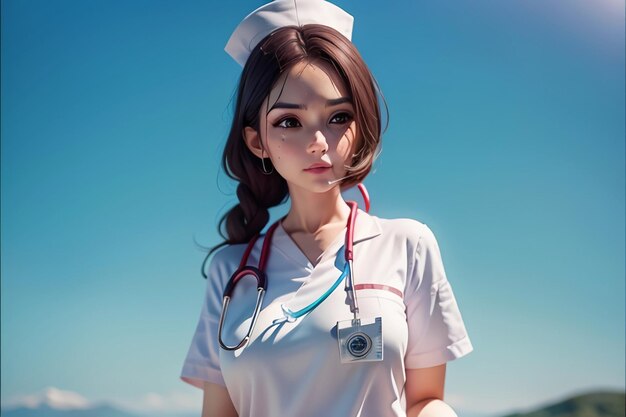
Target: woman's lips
[319, 170]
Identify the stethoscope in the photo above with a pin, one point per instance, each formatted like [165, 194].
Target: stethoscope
[259, 274]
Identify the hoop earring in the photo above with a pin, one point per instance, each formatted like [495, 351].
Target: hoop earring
[263, 163]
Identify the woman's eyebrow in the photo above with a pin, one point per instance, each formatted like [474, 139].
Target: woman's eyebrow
[287, 106]
[337, 101]
[331, 102]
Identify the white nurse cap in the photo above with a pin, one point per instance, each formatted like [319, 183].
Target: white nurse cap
[280, 13]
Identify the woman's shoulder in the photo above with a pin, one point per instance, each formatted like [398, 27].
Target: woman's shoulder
[412, 230]
[228, 257]
[229, 251]
[224, 260]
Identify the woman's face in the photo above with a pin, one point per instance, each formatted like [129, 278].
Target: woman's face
[308, 118]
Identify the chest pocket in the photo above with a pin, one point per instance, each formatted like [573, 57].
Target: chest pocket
[380, 300]
[377, 302]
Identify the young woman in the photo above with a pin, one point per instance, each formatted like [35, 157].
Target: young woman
[343, 313]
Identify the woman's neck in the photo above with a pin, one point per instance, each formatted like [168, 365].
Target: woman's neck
[312, 212]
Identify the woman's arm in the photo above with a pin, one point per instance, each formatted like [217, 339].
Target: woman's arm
[217, 402]
[424, 392]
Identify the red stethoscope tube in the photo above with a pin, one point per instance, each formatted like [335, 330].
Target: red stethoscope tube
[261, 278]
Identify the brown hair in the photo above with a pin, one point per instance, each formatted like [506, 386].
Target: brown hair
[275, 54]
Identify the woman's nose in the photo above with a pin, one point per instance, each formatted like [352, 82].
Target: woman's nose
[318, 143]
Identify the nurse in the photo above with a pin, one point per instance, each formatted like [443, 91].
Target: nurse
[307, 126]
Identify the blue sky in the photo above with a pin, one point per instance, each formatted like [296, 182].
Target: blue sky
[506, 137]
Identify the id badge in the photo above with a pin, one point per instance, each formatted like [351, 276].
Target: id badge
[360, 340]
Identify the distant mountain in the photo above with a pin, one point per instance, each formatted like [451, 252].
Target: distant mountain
[598, 404]
[45, 410]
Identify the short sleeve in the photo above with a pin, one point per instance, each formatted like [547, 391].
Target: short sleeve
[202, 361]
[437, 333]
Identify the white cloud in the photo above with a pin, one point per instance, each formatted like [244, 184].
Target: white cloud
[51, 396]
[174, 401]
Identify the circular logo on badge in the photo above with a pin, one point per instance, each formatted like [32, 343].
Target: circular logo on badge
[359, 344]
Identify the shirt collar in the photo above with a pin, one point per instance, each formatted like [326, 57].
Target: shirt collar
[367, 226]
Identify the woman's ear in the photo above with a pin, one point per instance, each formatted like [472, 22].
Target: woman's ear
[253, 141]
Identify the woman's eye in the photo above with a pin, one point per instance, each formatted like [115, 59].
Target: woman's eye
[289, 122]
[342, 118]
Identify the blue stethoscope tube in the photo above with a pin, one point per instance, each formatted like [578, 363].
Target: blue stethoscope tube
[260, 276]
[292, 316]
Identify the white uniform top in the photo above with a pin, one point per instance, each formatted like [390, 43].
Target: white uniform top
[294, 369]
